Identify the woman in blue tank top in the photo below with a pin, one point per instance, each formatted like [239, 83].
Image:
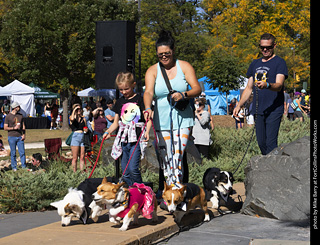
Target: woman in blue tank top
[180, 74]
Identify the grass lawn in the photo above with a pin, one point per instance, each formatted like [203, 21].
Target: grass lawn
[38, 135]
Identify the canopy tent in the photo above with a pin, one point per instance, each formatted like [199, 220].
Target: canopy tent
[86, 92]
[41, 93]
[217, 99]
[24, 95]
[90, 92]
[4, 92]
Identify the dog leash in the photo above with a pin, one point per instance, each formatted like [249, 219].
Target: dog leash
[154, 131]
[98, 156]
[253, 130]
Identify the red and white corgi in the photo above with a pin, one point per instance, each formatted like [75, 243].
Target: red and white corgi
[127, 203]
[180, 201]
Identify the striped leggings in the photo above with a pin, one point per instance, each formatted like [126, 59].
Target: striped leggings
[172, 163]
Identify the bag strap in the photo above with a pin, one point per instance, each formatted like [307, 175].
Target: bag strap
[165, 76]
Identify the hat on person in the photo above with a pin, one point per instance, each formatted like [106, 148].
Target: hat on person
[14, 104]
[303, 91]
[297, 93]
[109, 101]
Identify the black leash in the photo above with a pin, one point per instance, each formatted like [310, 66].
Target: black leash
[253, 130]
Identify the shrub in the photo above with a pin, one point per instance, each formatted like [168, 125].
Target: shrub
[25, 191]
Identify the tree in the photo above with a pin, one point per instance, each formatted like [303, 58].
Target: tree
[224, 71]
[238, 25]
[183, 19]
[52, 42]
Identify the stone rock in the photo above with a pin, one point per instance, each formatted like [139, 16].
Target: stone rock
[278, 185]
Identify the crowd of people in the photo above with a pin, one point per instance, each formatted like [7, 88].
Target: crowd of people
[130, 117]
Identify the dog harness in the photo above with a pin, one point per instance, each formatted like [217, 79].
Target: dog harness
[144, 196]
[191, 191]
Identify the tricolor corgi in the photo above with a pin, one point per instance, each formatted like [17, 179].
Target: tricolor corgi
[79, 203]
[180, 201]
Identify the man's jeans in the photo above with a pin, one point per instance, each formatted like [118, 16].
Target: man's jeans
[14, 142]
[267, 129]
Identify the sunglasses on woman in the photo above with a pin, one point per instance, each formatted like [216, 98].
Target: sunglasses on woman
[166, 55]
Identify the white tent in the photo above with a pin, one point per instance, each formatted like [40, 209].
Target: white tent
[86, 92]
[24, 95]
[4, 92]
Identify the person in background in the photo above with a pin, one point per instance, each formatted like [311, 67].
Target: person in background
[239, 119]
[303, 102]
[109, 113]
[201, 128]
[290, 109]
[299, 110]
[249, 111]
[286, 108]
[5, 108]
[77, 123]
[54, 115]
[16, 128]
[86, 112]
[47, 109]
[100, 121]
[92, 104]
[87, 139]
[38, 163]
[208, 109]
[3, 151]
[39, 109]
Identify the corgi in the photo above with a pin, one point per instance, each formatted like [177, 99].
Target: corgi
[180, 201]
[106, 193]
[79, 203]
[127, 203]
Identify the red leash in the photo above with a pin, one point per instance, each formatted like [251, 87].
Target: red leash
[154, 131]
[133, 149]
[95, 164]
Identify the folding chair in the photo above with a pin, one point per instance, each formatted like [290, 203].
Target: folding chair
[53, 148]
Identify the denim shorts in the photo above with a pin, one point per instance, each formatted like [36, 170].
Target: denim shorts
[77, 139]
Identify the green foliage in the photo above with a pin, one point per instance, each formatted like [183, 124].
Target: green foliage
[25, 191]
[224, 70]
[53, 41]
[184, 21]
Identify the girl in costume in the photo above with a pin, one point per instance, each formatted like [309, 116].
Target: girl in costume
[130, 121]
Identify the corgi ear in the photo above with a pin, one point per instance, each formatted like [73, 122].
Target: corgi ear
[166, 187]
[104, 181]
[183, 189]
[56, 204]
[121, 184]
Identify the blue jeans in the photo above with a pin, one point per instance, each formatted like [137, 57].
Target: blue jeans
[132, 174]
[267, 129]
[14, 142]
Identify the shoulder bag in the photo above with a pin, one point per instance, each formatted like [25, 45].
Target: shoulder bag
[179, 105]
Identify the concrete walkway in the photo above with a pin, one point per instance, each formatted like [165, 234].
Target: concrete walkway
[220, 230]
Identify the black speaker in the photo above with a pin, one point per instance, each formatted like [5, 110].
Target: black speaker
[115, 51]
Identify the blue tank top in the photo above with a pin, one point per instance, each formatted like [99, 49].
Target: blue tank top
[180, 119]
